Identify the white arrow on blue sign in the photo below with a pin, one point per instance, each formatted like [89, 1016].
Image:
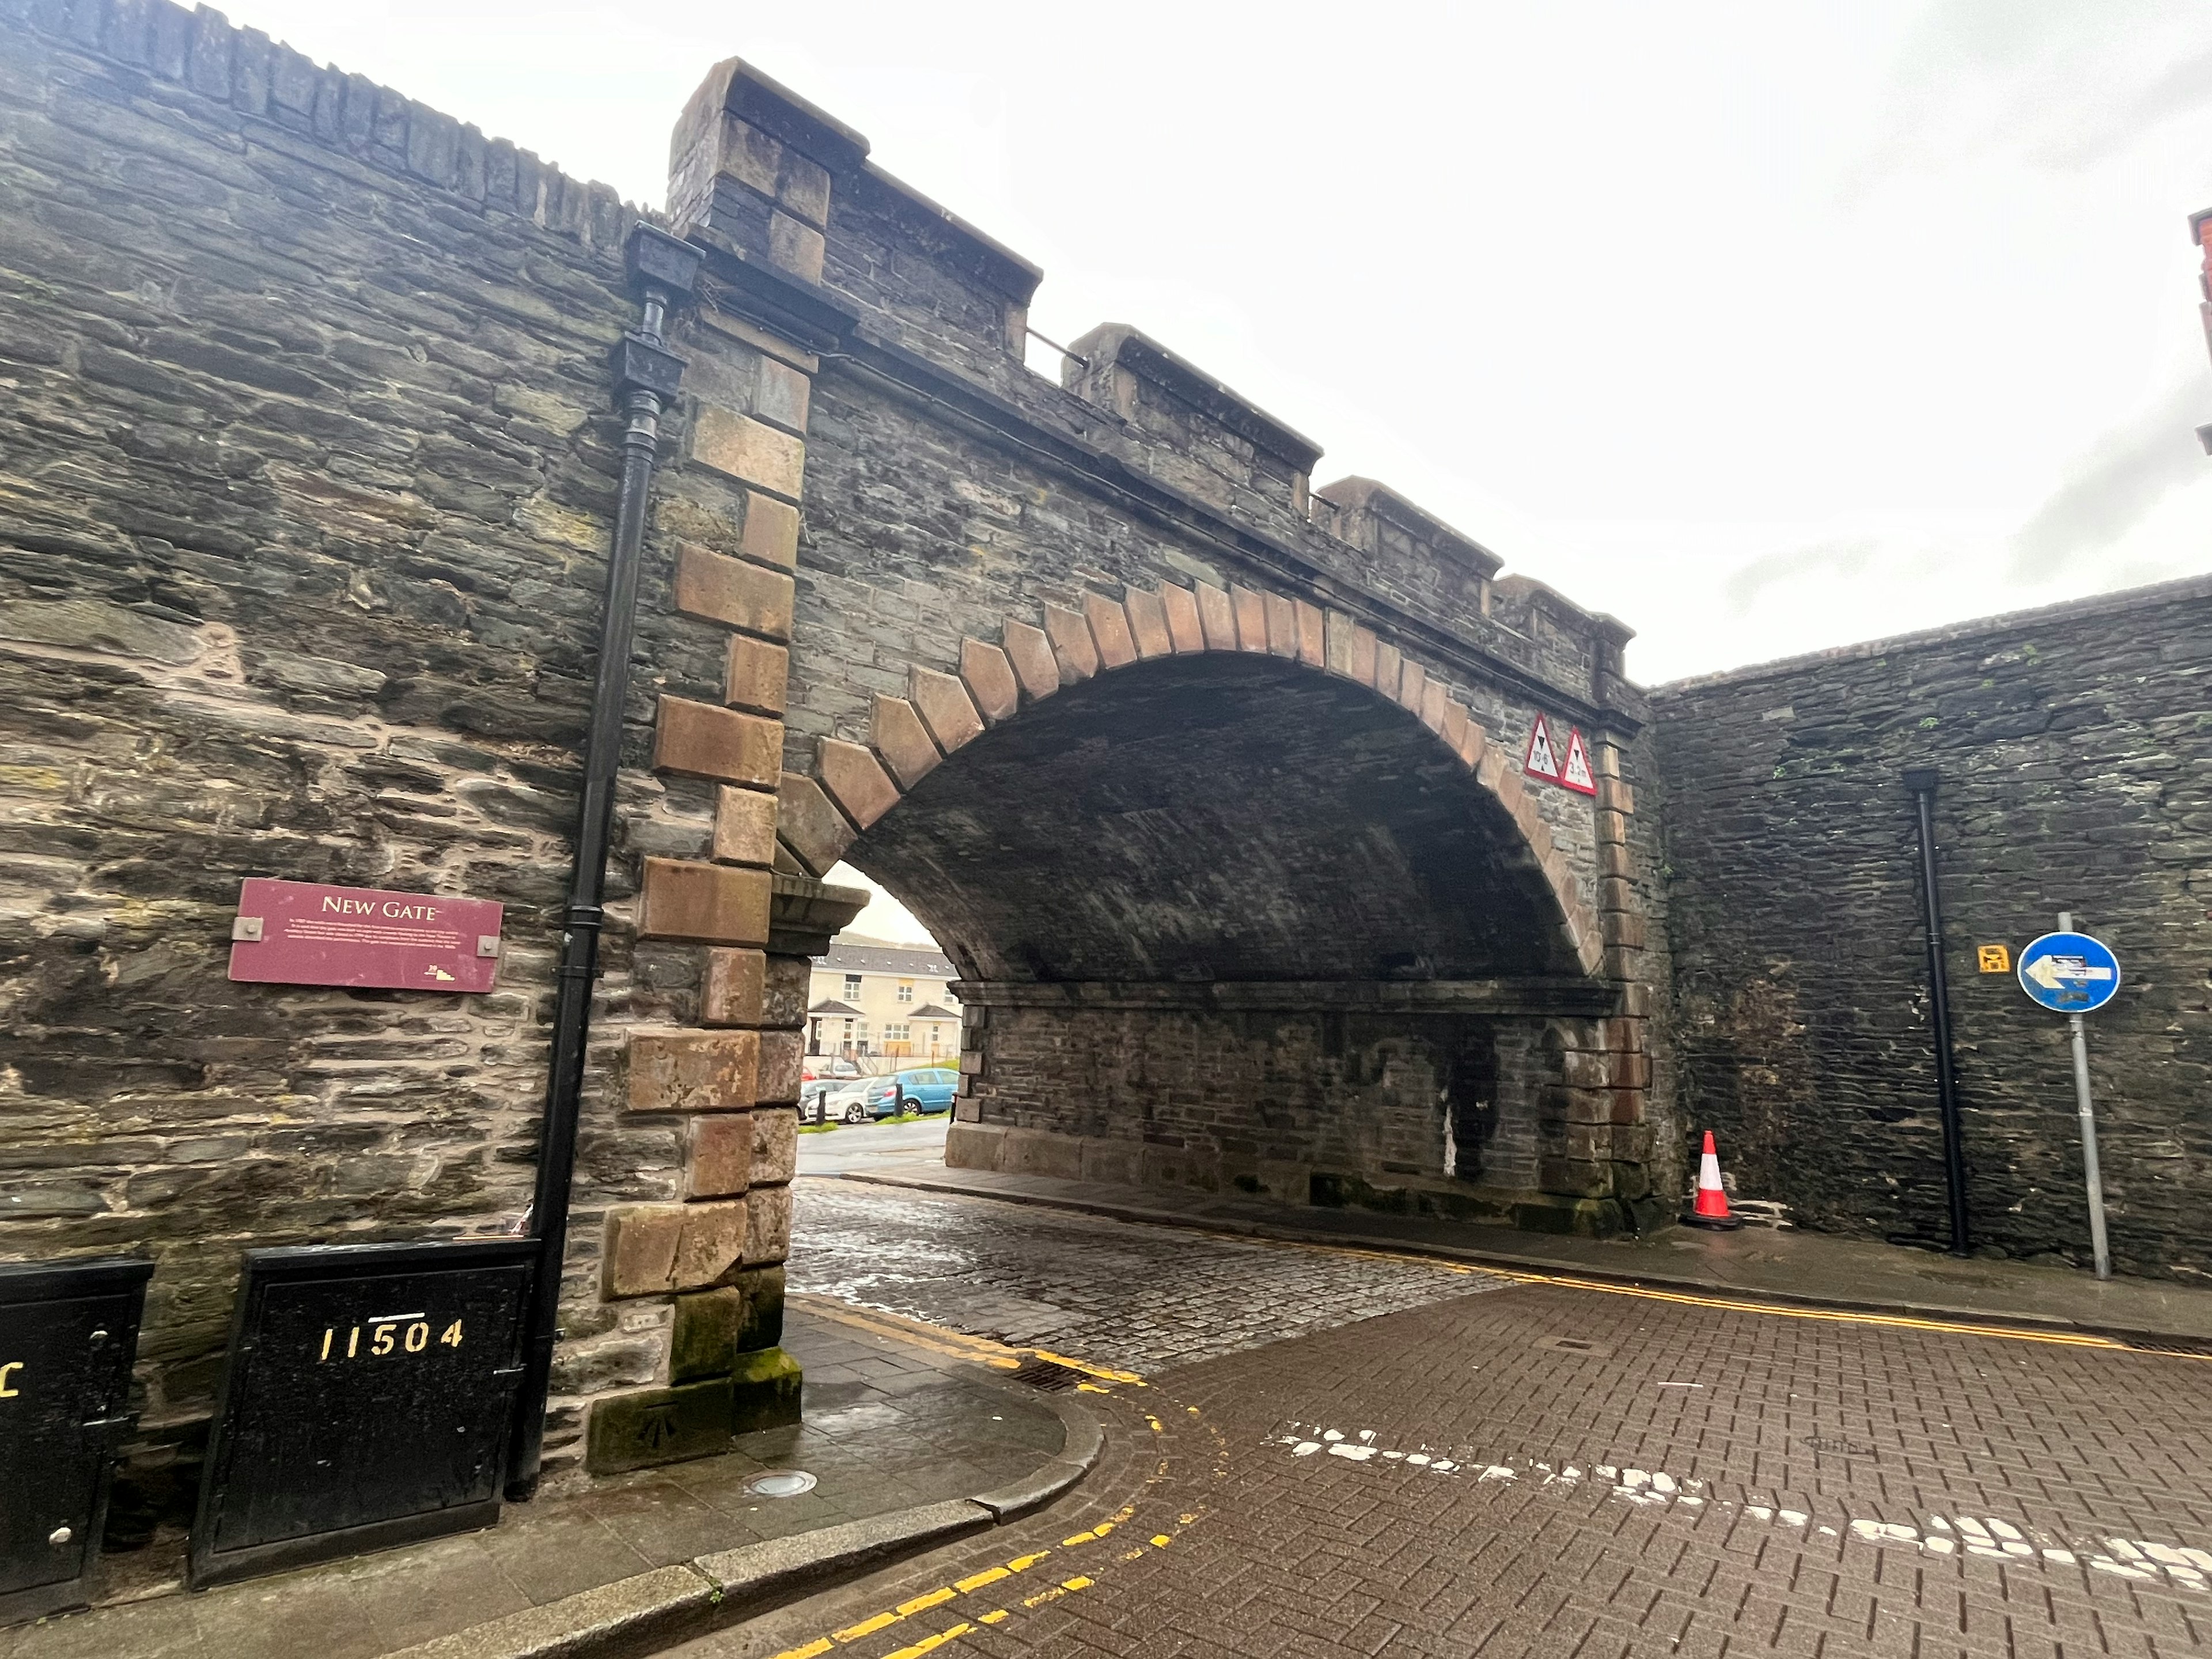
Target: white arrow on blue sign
[2069, 972]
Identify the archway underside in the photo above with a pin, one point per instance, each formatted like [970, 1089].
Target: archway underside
[1226, 922]
[1216, 819]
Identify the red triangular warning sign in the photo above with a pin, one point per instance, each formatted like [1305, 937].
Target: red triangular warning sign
[1576, 773]
[1541, 762]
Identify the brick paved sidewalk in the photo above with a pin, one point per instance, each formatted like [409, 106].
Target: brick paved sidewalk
[1817, 1267]
[888, 1426]
[1546, 1471]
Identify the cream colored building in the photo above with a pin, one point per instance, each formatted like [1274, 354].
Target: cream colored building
[883, 1004]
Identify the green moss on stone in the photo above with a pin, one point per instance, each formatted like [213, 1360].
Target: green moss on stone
[662, 1426]
[764, 1391]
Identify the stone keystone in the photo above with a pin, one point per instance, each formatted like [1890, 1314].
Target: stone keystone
[945, 708]
[856, 782]
[1282, 625]
[903, 740]
[1312, 649]
[990, 680]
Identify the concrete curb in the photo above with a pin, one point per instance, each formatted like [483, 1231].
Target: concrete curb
[2148, 1339]
[648, 1612]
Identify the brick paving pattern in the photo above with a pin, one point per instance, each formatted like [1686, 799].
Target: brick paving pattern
[1137, 1297]
[1744, 1484]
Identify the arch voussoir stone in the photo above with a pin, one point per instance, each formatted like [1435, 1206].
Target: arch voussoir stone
[1185, 630]
[1073, 646]
[1148, 623]
[990, 677]
[1217, 618]
[902, 741]
[1110, 628]
[856, 782]
[1031, 652]
[944, 706]
[909, 737]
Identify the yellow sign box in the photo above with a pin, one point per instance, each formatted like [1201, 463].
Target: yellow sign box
[1994, 958]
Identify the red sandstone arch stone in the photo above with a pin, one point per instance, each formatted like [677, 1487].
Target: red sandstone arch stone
[853, 785]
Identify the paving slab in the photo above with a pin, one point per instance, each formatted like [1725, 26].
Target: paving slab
[893, 1430]
[1777, 1263]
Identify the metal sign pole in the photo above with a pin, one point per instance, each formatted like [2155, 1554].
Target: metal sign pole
[2083, 1104]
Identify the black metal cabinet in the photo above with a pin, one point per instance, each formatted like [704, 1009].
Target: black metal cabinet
[68, 1333]
[366, 1402]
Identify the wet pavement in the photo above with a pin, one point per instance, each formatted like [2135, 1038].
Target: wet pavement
[1536, 1469]
[889, 1423]
[1131, 1298]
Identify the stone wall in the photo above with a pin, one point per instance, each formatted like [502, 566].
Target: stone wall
[2075, 748]
[309, 461]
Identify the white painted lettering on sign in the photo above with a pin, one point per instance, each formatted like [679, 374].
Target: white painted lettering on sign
[1541, 762]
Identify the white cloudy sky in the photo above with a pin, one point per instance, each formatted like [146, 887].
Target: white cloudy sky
[1764, 326]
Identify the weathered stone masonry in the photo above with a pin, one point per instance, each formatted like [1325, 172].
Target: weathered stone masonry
[2076, 749]
[308, 453]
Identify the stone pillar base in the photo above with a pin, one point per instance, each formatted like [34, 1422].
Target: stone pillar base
[693, 1419]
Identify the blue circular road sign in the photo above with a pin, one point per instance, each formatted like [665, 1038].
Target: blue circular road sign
[2069, 972]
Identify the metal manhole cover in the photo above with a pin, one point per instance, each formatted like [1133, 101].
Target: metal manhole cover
[1045, 1374]
[781, 1483]
[1574, 1345]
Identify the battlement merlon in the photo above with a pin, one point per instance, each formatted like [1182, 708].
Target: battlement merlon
[1373, 517]
[1529, 607]
[758, 165]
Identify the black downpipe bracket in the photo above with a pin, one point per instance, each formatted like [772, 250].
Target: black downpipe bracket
[1922, 782]
[662, 273]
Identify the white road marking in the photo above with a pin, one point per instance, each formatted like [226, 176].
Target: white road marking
[2143, 1560]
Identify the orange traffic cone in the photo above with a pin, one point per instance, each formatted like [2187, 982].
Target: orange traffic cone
[1712, 1209]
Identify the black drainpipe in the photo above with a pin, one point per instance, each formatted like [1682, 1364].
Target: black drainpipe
[662, 270]
[1921, 780]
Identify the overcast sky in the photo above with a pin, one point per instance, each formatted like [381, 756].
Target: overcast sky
[1765, 327]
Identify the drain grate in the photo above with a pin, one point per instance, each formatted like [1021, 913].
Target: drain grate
[1046, 1374]
[2169, 1345]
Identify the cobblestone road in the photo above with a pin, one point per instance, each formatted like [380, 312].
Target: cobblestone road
[1138, 1299]
[1554, 1470]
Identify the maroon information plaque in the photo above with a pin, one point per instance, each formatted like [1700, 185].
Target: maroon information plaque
[301, 932]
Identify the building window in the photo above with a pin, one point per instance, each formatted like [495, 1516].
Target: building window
[894, 1033]
[851, 986]
[906, 990]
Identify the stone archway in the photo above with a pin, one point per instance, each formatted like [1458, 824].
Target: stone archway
[1303, 1034]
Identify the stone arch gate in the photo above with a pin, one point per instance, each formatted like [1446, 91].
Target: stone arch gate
[1211, 783]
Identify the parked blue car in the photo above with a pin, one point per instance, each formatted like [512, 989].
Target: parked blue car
[929, 1090]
